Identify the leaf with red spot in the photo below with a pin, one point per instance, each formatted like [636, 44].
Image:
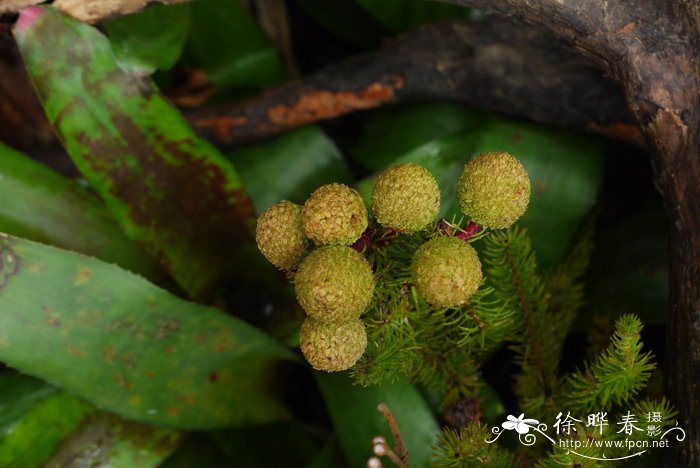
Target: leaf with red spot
[169, 189]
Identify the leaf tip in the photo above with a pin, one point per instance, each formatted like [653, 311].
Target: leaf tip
[27, 17]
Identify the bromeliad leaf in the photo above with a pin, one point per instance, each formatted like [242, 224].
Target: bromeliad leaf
[152, 39]
[353, 410]
[127, 346]
[42, 206]
[168, 189]
[42, 425]
[232, 47]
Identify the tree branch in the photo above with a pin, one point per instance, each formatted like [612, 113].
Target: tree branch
[652, 47]
[492, 64]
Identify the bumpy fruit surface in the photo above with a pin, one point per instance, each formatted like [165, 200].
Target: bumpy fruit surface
[280, 236]
[334, 283]
[332, 346]
[446, 271]
[406, 198]
[334, 214]
[494, 190]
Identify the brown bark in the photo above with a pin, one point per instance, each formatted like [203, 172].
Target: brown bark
[652, 47]
[493, 64]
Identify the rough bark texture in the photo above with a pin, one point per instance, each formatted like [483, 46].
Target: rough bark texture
[494, 65]
[652, 47]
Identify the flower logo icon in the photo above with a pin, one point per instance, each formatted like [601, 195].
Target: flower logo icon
[521, 425]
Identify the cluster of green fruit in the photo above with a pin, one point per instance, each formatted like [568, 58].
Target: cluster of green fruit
[334, 283]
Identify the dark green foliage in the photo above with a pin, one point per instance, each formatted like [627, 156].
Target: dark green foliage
[466, 448]
[113, 342]
[544, 312]
[615, 376]
[437, 347]
[353, 410]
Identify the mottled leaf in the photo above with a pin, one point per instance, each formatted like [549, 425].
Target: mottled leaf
[105, 439]
[41, 425]
[169, 189]
[152, 39]
[40, 205]
[129, 347]
[353, 410]
[290, 166]
[232, 47]
[39, 419]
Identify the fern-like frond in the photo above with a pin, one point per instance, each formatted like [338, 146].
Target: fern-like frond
[511, 270]
[467, 448]
[616, 376]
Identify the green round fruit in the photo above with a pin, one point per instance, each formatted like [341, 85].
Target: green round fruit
[446, 271]
[280, 236]
[406, 198]
[332, 346]
[334, 214]
[334, 283]
[494, 190]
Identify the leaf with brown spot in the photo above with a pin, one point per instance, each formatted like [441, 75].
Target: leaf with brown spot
[41, 205]
[139, 351]
[169, 189]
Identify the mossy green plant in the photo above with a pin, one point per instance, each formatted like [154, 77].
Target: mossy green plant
[494, 190]
[332, 346]
[280, 235]
[334, 283]
[406, 198]
[446, 271]
[334, 214]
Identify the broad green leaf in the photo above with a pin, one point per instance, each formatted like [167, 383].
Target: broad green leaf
[198, 449]
[151, 39]
[40, 205]
[232, 47]
[353, 410]
[290, 166]
[444, 158]
[347, 20]
[286, 443]
[329, 457]
[565, 169]
[169, 189]
[32, 434]
[401, 15]
[391, 132]
[41, 425]
[629, 269]
[18, 395]
[129, 347]
[108, 440]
